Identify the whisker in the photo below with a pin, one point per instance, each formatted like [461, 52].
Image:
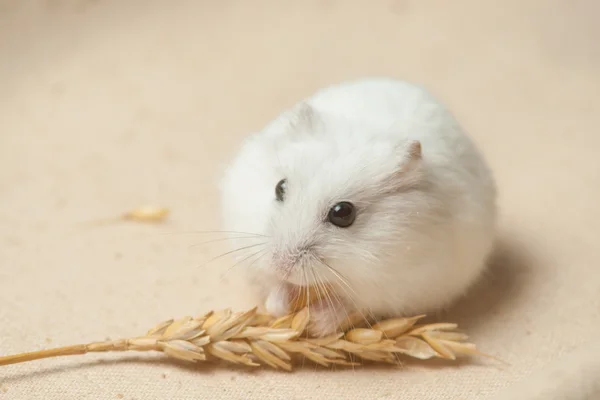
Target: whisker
[322, 287]
[308, 294]
[352, 324]
[256, 259]
[339, 300]
[342, 279]
[241, 261]
[209, 232]
[305, 285]
[280, 286]
[347, 288]
[222, 239]
[231, 252]
[366, 255]
[337, 274]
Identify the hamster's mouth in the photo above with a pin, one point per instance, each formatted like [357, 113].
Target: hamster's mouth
[303, 295]
[300, 268]
[301, 283]
[299, 278]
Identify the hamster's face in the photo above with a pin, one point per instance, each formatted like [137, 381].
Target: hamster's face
[318, 208]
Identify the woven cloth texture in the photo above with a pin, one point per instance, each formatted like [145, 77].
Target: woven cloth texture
[109, 104]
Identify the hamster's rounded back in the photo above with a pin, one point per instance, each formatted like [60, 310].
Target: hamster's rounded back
[424, 197]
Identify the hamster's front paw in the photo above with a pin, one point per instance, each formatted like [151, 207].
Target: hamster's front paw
[278, 301]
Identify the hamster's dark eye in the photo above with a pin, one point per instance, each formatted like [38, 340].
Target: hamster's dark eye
[280, 190]
[342, 214]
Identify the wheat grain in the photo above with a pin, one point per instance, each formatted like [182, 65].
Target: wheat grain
[143, 214]
[253, 339]
[147, 213]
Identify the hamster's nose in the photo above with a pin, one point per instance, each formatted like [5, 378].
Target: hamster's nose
[287, 257]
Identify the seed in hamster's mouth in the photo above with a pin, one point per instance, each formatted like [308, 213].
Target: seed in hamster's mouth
[301, 296]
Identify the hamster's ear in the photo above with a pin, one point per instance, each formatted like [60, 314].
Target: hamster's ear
[414, 151]
[409, 171]
[303, 118]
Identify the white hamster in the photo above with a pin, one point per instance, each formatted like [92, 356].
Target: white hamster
[368, 185]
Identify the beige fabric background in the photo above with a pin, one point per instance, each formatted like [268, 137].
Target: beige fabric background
[108, 104]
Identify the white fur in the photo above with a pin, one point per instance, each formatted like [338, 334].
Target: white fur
[410, 250]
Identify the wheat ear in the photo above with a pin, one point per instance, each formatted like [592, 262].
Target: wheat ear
[253, 339]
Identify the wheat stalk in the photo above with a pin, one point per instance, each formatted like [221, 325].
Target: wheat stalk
[254, 339]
